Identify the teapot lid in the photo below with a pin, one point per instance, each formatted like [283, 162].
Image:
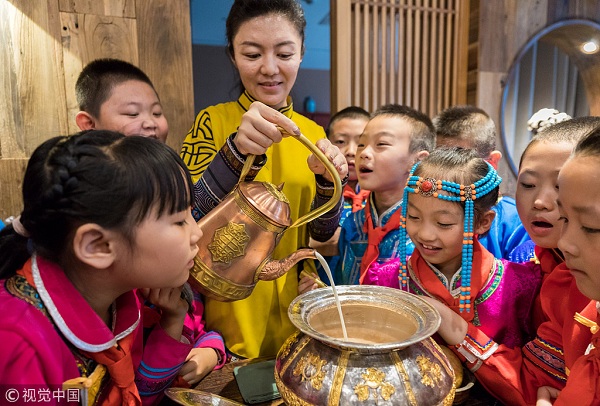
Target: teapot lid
[269, 200]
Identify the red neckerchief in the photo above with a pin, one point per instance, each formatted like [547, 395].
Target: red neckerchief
[357, 198]
[117, 360]
[483, 261]
[375, 235]
[548, 259]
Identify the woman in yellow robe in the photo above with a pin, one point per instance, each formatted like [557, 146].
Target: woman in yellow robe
[266, 45]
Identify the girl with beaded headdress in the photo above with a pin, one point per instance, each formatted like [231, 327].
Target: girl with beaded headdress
[563, 360]
[447, 204]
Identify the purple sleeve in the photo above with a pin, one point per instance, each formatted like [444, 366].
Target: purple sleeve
[322, 228]
[161, 361]
[194, 327]
[221, 176]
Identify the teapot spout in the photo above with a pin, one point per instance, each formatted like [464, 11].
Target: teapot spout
[276, 268]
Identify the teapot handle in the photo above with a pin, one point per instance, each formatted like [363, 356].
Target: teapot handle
[337, 183]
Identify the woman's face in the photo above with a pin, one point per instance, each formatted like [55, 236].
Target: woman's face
[267, 52]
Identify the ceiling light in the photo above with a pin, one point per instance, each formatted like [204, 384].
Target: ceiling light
[589, 47]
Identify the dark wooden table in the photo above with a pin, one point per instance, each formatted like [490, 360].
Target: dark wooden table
[222, 382]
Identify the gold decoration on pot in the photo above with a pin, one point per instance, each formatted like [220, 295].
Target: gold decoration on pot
[403, 377]
[374, 382]
[388, 331]
[310, 367]
[229, 242]
[285, 349]
[431, 373]
[290, 397]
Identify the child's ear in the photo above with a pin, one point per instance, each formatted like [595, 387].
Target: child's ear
[94, 246]
[85, 121]
[485, 222]
[494, 158]
[421, 155]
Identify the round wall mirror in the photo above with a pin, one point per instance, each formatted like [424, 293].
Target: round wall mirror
[558, 68]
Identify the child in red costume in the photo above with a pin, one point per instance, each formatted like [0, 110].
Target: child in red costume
[536, 193]
[563, 361]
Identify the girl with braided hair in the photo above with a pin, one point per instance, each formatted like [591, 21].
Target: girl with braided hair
[483, 300]
[106, 223]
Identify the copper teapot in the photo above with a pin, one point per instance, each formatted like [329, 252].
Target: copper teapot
[240, 234]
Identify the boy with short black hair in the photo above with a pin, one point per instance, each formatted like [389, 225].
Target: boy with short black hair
[343, 130]
[115, 95]
[395, 138]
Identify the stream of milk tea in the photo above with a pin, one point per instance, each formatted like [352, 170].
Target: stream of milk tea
[335, 295]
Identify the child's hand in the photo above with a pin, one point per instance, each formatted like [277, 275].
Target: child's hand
[453, 328]
[199, 362]
[309, 282]
[545, 394]
[334, 155]
[172, 307]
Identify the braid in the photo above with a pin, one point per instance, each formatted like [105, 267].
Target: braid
[55, 201]
[63, 180]
[98, 177]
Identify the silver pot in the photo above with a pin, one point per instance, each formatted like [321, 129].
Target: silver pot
[389, 358]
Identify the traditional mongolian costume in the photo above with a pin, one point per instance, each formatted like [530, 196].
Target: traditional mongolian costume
[565, 353]
[494, 296]
[51, 338]
[257, 325]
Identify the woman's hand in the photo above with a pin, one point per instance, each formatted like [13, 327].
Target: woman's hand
[546, 395]
[258, 129]
[335, 157]
[173, 308]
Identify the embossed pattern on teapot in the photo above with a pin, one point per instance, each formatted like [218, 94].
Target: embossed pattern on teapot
[240, 234]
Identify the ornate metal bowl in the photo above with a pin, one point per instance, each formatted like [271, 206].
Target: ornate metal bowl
[191, 397]
[388, 359]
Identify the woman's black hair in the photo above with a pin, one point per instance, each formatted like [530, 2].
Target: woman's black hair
[244, 10]
[95, 176]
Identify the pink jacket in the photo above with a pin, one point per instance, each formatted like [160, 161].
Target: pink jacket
[35, 353]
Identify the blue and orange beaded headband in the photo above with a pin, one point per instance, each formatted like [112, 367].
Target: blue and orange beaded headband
[454, 192]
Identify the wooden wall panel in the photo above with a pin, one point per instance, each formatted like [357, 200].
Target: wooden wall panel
[115, 8]
[45, 44]
[12, 171]
[390, 62]
[86, 37]
[32, 106]
[160, 24]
